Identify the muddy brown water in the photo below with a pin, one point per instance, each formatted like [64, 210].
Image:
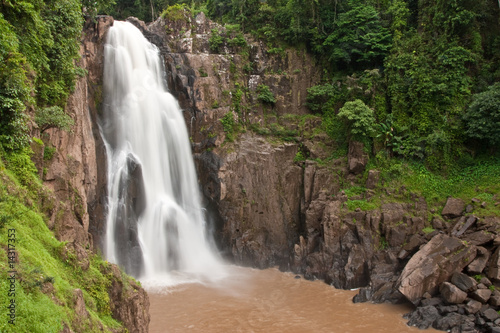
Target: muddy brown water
[269, 301]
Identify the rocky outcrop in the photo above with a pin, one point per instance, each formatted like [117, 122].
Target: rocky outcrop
[434, 264]
[260, 201]
[253, 187]
[128, 301]
[75, 170]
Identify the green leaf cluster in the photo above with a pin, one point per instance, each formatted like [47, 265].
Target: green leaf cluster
[39, 45]
[482, 118]
[358, 118]
[265, 95]
[53, 117]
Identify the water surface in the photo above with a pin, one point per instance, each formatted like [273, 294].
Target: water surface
[268, 301]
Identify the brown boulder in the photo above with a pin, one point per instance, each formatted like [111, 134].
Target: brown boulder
[452, 294]
[432, 265]
[372, 180]
[494, 300]
[494, 266]
[453, 208]
[464, 282]
[477, 265]
[473, 306]
[128, 301]
[357, 158]
[481, 295]
[479, 237]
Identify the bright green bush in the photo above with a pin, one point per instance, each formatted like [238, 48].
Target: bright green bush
[53, 117]
[358, 118]
[39, 45]
[215, 41]
[265, 95]
[482, 118]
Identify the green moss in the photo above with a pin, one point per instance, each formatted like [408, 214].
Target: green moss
[44, 280]
[428, 230]
[364, 205]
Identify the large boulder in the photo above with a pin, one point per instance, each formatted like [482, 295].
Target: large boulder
[453, 208]
[432, 265]
[423, 317]
[464, 282]
[452, 294]
[494, 266]
[357, 158]
[477, 265]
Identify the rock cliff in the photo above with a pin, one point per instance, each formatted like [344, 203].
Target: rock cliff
[74, 168]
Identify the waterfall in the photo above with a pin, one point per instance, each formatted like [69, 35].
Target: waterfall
[155, 221]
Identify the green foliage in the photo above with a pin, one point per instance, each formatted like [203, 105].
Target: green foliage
[236, 97]
[299, 157]
[53, 117]
[177, 12]
[48, 152]
[239, 40]
[215, 41]
[365, 43]
[265, 95]
[383, 243]
[40, 265]
[203, 72]
[19, 162]
[14, 89]
[358, 118]
[364, 205]
[354, 191]
[482, 118]
[92, 8]
[39, 45]
[228, 124]
[478, 177]
[320, 97]
[428, 230]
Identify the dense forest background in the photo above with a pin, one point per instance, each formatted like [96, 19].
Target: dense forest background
[417, 77]
[426, 70]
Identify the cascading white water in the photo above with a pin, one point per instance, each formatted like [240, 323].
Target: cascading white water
[155, 222]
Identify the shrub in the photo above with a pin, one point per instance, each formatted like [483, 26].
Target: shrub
[176, 12]
[228, 125]
[358, 118]
[215, 41]
[319, 97]
[483, 116]
[53, 117]
[265, 95]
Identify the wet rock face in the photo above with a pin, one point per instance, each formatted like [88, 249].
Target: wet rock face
[130, 207]
[259, 201]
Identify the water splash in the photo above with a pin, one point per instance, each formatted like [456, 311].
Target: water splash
[155, 222]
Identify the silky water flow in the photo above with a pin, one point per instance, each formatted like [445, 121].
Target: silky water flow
[155, 221]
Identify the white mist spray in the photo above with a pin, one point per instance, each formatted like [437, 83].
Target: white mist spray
[155, 222]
